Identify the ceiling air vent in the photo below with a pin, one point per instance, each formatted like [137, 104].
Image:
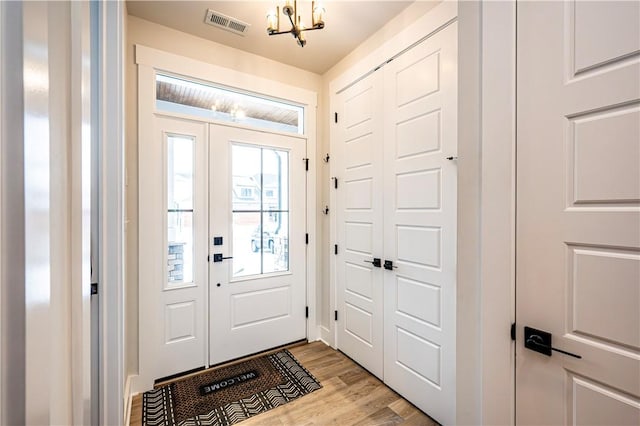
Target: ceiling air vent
[225, 22]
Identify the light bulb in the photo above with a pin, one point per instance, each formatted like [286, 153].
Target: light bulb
[318, 15]
[272, 21]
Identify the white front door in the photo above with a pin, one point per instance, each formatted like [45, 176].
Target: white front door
[420, 190]
[174, 270]
[578, 213]
[359, 223]
[257, 288]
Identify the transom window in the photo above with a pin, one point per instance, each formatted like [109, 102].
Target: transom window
[187, 97]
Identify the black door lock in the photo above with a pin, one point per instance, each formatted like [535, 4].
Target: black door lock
[217, 257]
[375, 262]
[540, 341]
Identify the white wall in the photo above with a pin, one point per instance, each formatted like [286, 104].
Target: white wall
[157, 36]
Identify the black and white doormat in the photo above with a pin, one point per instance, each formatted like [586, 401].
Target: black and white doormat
[228, 395]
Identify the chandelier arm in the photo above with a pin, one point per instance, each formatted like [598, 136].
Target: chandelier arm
[310, 29]
[294, 28]
[280, 32]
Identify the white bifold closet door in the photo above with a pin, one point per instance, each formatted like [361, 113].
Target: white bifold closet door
[396, 202]
[359, 223]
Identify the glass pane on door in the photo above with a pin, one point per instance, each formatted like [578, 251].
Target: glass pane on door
[180, 181]
[260, 199]
[276, 244]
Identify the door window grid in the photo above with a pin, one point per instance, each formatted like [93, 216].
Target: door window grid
[261, 222]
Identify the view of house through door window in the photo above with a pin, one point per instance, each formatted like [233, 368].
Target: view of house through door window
[180, 209]
[260, 204]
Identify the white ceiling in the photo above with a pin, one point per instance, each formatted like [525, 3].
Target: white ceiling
[347, 24]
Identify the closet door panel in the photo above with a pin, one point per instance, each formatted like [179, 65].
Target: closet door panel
[359, 208]
[420, 91]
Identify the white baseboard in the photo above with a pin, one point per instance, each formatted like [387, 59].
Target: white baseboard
[327, 336]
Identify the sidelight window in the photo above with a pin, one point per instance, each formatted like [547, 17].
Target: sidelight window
[180, 183]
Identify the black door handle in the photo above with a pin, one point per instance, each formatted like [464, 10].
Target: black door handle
[375, 262]
[217, 257]
[540, 341]
[388, 265]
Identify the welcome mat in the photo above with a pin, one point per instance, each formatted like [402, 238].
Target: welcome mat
[228, 395]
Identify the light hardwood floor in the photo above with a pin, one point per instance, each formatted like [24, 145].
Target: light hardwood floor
[349, 396]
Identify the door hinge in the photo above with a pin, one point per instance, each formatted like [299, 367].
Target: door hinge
[306, 238]
[94, 288]
[335, 315]
[306, 312]
[335, 182]
[513, 331]
[335, 117]
[335, 249]
[306, 163]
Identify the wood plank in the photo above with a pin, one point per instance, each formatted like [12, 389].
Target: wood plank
[350, 395]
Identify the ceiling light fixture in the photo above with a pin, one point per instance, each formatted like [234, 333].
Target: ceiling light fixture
[297, 27]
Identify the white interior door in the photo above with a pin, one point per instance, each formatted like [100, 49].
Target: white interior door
[420, 190]
[359, 223]
[578, 212]
[257, 207]
[173, 243]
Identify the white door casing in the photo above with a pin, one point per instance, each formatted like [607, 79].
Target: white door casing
[578, 213]
[173, 316]
[396, 201]
[420, 190]
[253, 313]
[359, 223]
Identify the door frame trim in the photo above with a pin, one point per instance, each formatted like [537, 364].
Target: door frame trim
[113, 401]
[498, 211]
[149, 61]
